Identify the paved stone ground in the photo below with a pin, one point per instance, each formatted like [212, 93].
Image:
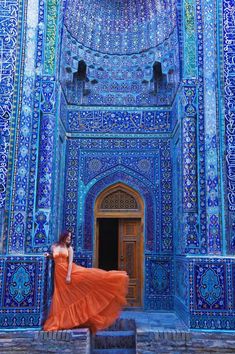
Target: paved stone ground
[166, 333]
[156, 333]
[161, 321]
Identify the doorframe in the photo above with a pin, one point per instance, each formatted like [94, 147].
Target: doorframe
[120, 214]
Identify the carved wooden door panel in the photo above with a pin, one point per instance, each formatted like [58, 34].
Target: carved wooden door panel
[130, 258]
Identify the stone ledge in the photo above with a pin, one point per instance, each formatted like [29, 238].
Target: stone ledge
[182, 342]
[28, 342]
[167, 334]
[75, 334]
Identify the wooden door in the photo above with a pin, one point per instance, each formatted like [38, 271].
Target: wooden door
[130, 257]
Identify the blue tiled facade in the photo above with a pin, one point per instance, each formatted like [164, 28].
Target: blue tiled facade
[136, 92]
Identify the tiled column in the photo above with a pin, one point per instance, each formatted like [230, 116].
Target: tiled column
[10, 38]
[24, 277]
[212, 132]
[189, 161]
[229, 119]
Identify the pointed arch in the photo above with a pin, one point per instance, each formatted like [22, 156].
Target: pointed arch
[119, 199]
[139, 187]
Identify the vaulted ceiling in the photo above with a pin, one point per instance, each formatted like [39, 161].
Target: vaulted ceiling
[120, 26]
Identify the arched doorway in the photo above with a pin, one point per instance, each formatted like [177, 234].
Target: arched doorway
[119, 217]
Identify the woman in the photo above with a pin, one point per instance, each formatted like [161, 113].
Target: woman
[86, 297]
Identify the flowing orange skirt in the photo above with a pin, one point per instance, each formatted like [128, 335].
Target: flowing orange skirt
[93, 299]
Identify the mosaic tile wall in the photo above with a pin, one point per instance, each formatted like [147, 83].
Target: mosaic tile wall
[159, 283]
[200, 304]
[93, 164]
[160, 130]
[228, 119]
[10, 35]
[35, 148]
[22, 296]
[125, 121]
[181, 291]
[204, 295]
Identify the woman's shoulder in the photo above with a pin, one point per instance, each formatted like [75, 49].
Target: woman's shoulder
[53, 246]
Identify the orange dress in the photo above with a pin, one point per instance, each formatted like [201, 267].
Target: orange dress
[93, 299]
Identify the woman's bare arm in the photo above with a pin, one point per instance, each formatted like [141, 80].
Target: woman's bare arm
[50, 255]
[68, 277]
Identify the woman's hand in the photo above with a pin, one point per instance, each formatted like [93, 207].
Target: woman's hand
[48, 255]
[68, 279]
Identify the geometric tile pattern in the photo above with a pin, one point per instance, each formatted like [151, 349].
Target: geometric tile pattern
[229, 117]
[181, 280]
[159, 283]
[119, 80]
[189, 40]
[107, 146]
[122, 27]
[189, 167]
[208, 302]
[93, 164]
[10, 12]
[202, 225]
[22, 284]
[214, 232]
[25, 153]
[181, 293]
[210, 286]
[211, 293]
[19, 285]
[119, 121]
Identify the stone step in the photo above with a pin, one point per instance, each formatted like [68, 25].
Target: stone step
[114, 340]
[122, 324]
[114, 351]
[107, 333]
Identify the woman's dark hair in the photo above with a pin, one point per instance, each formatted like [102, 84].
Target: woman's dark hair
[62, 239]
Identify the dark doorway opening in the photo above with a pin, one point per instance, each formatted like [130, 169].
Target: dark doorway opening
[108, 244]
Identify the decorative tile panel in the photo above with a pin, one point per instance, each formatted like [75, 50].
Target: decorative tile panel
[201, 134]
[10, 33]
[189, 39]
[158, 283]
[22, 280]
[24, 149]
[51, 32]
[119, 121]
[181, 281]
[20, 285]
[210, 286]
[211, 293]
[93, 164]
[229, 118]
[211, 128]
